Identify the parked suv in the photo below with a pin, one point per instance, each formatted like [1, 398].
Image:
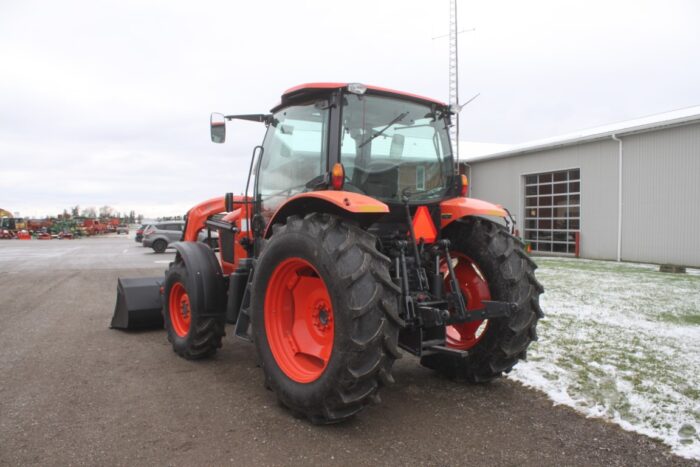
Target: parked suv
[159, 236]
[122, 229]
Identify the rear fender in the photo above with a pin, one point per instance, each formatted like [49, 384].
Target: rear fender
[205, 285]
[458, 208]
[357, 207]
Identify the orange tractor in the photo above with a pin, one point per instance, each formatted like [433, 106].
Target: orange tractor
[355, 239]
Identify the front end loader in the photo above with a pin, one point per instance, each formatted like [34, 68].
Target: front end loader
[355, 241]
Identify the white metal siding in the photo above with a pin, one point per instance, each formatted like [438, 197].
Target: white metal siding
[661, 192]
[501, 181]
[661, 196]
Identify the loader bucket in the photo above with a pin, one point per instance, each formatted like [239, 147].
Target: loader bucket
[138, 304]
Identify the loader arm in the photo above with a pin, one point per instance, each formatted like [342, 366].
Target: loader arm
[198, 215]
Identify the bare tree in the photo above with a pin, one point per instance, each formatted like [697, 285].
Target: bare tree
[89, 212]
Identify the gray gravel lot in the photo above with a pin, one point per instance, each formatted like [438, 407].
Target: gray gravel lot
[72, 391]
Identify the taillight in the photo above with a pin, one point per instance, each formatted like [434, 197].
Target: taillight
[338, 176]
[463, 185]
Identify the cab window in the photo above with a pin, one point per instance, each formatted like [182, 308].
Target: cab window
[294, 152]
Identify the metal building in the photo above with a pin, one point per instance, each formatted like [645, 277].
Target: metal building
[628, 191]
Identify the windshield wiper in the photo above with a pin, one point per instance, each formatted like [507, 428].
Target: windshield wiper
[380, 132]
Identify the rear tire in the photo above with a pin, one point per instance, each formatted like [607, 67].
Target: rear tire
[159, 246]
[346, 268]
[192, 335]
[509, 273]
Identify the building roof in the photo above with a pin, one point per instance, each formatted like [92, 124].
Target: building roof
[652, 122]
[471, 149]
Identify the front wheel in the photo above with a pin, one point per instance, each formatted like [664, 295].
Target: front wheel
[193, 333]
[325, 318]
[490, 264]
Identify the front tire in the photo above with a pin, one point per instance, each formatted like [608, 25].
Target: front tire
[325, 318]
[505, 273]
[192, 335]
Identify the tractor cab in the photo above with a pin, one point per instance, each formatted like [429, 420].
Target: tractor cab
[390, 146]
[387, 145]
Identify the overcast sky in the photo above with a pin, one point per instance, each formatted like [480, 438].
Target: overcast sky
[107, 103]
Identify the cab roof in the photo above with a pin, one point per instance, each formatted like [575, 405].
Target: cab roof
[311, 88]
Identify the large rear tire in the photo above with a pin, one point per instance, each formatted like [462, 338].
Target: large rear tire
[325, 317]
[193, 334]
[495, 267]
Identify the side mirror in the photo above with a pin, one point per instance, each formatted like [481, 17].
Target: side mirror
[217, 122]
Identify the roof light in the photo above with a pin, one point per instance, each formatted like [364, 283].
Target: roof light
[357, 88]
[338, 176]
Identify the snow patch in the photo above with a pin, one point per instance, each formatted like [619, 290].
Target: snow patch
[621, 342]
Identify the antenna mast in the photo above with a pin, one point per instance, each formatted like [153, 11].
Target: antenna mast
[454, 78]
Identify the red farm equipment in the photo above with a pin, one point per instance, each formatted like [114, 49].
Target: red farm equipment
[7, 228]
[93, 227]
[38, 225]
[355, 239]
[13, 227]
[111, 224]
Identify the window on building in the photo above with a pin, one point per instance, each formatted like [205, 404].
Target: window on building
[553, 211]
[420, 177]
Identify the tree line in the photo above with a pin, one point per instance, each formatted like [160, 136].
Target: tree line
[104, 212]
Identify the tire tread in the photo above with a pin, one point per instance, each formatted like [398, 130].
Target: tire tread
[510, 273]
[372, 348]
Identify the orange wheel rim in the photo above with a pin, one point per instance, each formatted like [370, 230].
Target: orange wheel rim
[299, 321]
[475, 289]
[179, 309]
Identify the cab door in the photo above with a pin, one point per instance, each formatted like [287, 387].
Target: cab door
[295, 151]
